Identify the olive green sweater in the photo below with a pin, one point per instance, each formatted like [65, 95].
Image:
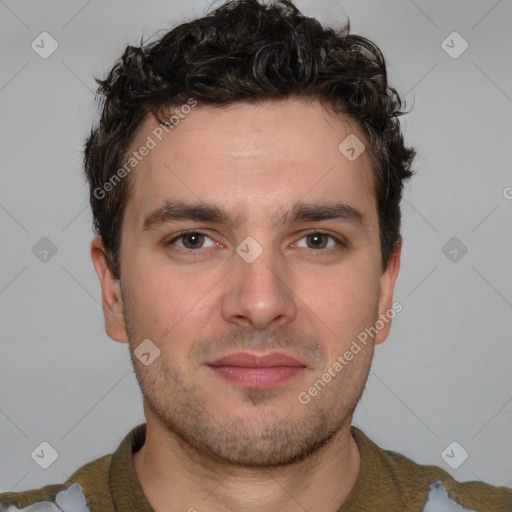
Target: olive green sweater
[387, 482]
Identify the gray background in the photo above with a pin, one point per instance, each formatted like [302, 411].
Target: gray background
[445, 372]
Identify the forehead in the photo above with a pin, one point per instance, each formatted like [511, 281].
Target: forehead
[249, 158]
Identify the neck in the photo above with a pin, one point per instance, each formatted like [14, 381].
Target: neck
[175, 477]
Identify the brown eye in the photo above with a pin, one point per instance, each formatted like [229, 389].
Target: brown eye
[191, 240]
[320, 240]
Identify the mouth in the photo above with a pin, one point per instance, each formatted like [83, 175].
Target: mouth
[250, 370]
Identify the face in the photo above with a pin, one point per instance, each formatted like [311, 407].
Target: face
[246, 234]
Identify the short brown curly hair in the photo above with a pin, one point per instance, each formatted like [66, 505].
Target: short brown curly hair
[247, 51]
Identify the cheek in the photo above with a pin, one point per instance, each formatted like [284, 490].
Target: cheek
[169, 303]
[155, 303]
[344, 292]
[344, 303]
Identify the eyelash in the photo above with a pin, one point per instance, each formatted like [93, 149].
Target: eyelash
[339, 241]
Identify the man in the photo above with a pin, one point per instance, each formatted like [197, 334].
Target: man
[245, 180]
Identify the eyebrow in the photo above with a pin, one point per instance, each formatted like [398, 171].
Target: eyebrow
[204, 212]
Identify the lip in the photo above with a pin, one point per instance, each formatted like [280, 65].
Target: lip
[251, 360]
[250, 370]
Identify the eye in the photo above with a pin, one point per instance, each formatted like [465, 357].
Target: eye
[320, 240]
[191, 240]
[196, 240]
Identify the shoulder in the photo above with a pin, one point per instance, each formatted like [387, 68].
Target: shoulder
[426, 488]
[440, 491]
[95, 487]
[86, 490]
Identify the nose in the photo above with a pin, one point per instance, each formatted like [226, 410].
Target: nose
[258, 295]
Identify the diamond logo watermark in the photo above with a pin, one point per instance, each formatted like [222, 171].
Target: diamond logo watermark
[454, 249]
[44, 250]
[44, 45]
[146, 352]
[352, 147]
[454, 455]
[249, 249]
[454, 45]
[44, 455]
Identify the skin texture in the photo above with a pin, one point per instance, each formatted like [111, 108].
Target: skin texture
[211, 444]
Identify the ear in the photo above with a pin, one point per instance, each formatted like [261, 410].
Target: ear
[110, 293]
[387, 285]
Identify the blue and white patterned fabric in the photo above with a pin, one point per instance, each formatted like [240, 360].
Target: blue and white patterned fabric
[71, 499]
